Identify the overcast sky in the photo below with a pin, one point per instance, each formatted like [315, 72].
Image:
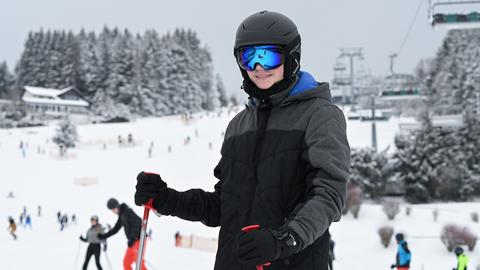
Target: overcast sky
[378, 26]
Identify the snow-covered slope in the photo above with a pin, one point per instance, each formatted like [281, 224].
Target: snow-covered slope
[53, 183]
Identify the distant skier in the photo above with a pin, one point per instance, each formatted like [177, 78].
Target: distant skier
[132, 225]
[120, 140]
[130, 139]
[39, 211]
[63, 222]
[20, 219]
[74, 219]
[59, 217]
[462, 259]
[28, 221]
[94, 246]
[404, 256]
[12, 227]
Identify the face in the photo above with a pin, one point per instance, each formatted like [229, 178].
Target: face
[116, 210]
[93, 222]
[264, 79]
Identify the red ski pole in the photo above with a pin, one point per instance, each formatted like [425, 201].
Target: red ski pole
[250, 228]
[143, 234]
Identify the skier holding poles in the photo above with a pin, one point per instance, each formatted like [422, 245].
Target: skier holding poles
[132, 225]
[284, 166]
[94, 246]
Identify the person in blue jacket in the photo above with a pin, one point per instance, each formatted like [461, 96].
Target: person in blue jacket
[404, 255]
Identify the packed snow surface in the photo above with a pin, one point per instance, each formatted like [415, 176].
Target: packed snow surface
[99, 168]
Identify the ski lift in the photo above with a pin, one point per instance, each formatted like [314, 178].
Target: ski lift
[456, 14]
[340, 77]
[400, 87]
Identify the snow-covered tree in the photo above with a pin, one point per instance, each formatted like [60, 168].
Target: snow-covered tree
[371, 171]
[66, 134]
[6, 81]
[221, 91]
[430, 165]
[454, 73]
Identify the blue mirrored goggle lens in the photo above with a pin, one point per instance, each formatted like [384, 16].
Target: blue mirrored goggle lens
[269, 57]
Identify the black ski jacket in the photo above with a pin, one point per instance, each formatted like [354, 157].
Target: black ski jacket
[132, 224]
[285, 165]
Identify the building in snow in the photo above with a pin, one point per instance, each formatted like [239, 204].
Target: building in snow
[53, 103]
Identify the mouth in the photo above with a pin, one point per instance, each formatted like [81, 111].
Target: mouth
[262, 76]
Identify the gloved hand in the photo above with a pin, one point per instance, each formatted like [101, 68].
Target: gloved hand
[393, 266]
[82, 239]
[150, 186]
[101, 236]
[257, 247]
[130, 243]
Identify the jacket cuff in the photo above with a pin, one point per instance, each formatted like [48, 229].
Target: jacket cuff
[288, 241]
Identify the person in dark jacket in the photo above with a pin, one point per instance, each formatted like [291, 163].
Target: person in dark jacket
[94, 246]
[403, 258]
[12, 227]
[285, 161]
[132, 225]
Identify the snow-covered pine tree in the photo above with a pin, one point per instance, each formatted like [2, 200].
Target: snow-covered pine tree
[468, 137]
[181, 84]
[6, 81]
[152, 69]
[426, 162]
[66, 134]
[120, 83]
[70, 62]
[30, 68]
[371, 171]
[89, 65]
[234, 100]
[453, 71]
[221, 91]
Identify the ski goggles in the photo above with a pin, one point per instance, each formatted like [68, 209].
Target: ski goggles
[268, 56]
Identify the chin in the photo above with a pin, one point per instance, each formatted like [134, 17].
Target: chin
[264, 86]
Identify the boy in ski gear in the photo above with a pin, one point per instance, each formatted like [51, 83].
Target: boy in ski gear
[285, 160]
[94, 246]
[12, 227]
[404, 256]
[462, 259]
[132, 225]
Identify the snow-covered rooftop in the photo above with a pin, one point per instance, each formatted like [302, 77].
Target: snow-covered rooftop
[39, 95]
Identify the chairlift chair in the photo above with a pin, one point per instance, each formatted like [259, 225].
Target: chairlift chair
[451, 19]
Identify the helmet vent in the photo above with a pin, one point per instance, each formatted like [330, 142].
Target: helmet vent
[272, 24]
[288, 33]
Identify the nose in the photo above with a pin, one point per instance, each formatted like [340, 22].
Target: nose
[259, 67]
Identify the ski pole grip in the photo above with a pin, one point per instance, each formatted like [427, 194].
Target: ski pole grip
[149, 204]
[251, 228]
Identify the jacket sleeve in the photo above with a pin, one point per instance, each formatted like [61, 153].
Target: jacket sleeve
[195, 204]
[327, 155]
[115, 228]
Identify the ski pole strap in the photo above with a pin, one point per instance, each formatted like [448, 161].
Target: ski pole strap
[251, 228]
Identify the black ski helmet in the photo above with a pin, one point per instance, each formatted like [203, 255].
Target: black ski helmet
[399, 236]
[94, 217]
[458, 251]
[270, 28]
[112, 203]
